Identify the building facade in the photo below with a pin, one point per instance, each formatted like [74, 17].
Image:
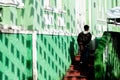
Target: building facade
[107, 60]
[96, 15]
[36, 37]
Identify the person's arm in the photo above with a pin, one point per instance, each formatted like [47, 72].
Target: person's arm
[89, 37]
[79, 39]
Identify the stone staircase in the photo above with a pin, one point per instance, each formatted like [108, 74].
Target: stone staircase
[79, 71]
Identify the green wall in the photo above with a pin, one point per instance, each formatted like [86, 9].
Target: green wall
[15, 56]
[32, 16]
[53, 40]
[53, 56]
[107, 58]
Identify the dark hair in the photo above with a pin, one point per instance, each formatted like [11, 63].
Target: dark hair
[86, 27]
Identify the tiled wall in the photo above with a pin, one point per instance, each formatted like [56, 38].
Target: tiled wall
[53, 56]
[14, 57]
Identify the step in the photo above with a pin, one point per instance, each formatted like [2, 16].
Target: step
[77, 58]
[71, 67]
[75, 78]
[73, 73]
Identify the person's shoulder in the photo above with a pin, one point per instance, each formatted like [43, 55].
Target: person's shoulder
[88, 32]
[81, 32]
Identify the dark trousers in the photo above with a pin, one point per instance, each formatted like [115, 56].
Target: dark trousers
[85, 54]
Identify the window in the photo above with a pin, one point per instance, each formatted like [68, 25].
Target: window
[52, 65]
[112, 3]
[1, 75]
[52, 52]
[49, 77]
[22, 58]
[36, 4]
[23, 76]
[42, 2]
[41, 37]
[66, 54]
[0, 56]
[55, 3]
[12, 48]
[37, 65]
[59, 61]
[40, 69]
[18, 72]
[45, 41]
[18, 54]
[12, 67]
[22, 12]
[56, 57]
[32, 11]
[59, 44]
[59, 73]
[116, 2]
[41, 12]
[28, 64]
[62, 65]
[6, 77]
[6, 61]
[49, 47]
[28, 43]
[11, 16]
[56, 69]
[49, 60]
[40, 50]
[1, 36]
[45, 74]
[1, 14]
[6, 41]
[56, 40]
[48, 19]
[61, 21]
[44, 55]
[23, 40]
[30, 2]
[17, 35]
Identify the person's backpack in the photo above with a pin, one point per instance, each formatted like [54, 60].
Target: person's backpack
[84, 38]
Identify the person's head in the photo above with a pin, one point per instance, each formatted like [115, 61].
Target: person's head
[86, 27]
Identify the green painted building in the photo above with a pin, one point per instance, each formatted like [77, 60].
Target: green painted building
[96, 15]
[15, 56]
[107, 60]
[37, 39]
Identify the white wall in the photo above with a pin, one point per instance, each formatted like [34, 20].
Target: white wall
[80, 14]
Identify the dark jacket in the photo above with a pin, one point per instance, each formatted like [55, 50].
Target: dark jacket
[84, 39]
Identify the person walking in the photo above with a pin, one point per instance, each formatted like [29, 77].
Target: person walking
[83, 41]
